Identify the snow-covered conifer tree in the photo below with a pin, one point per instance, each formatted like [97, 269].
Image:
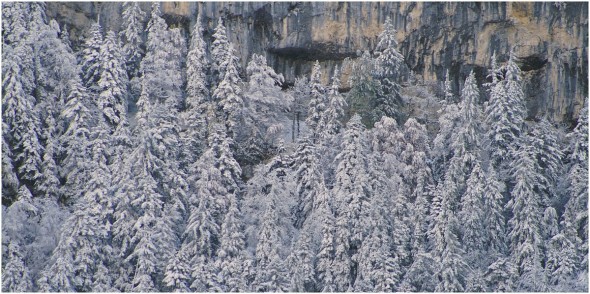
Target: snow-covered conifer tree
[452, 269]
[231, 253]
[571, 245]
[331, 119]
[272, 274]
[503, 118]
[265, 102]
[494, 221]
[548, 158]
[87, 231]
[219, 51]
[301, 95]
[389, 62]
[15, 274]
[228, 95]
[325, 256]
[378, 267]
[514, 92]
[309, 181]
[261, 76]
[59, 277]
[91, 57]
[22, 120]
[365, 87]
[177, 276]
[472, 212]
[49, 182]
[132, 35]
[197, 95]
[113, 83]
[318, 102]
[351, 189]
[300, 263]
[75, 141]
[525, 224]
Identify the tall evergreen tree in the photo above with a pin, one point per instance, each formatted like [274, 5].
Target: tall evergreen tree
[15, 274]
[318, 102]
[331, 119]
[219, 52]
[309, 181]
[197, 95]
[132, 35]
[75, 141]
[471, 215]
[91, 57]
[365, 87]
[389, 62]
[271, 274]
[231, 253]
[301, 263]
[494, 221]
[22, 120]
[525, 231]
[228, 95]
[113, 83]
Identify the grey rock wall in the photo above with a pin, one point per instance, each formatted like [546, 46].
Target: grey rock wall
[552, 43]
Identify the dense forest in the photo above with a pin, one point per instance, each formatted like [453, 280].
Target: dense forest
[148, 160]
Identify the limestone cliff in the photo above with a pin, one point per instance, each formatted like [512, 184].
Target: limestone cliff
[551, 41]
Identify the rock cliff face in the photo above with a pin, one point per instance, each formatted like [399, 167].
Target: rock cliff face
[550, 40]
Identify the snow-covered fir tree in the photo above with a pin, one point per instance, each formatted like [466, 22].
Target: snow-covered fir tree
[318, 102]
[113, 82]
[232, 252]
[331, 119]
[301, 263]
[133, 37]
[91, 67]
[389, 62]
[15, 274]
[219, 52]
[525, 225]
[228, 95]
[197, 96]
[75, 141]
[364, 87]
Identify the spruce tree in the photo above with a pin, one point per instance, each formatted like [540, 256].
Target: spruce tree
[75, 141]
[231, 253]
[113, 83]
[318, 102]
[525, 224]
[472, 212]
[389, 62]
[493, 200]
[219, 52]
[132, 35]
[177, 276]
[351, 189]
[91, 67]
[308, 177]
[301, 263]
[197, 95]
[22, 120]
[15, 274]
[325, 256]
[271, 273]
[228, 95]
[365, 87]
[331, 119]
